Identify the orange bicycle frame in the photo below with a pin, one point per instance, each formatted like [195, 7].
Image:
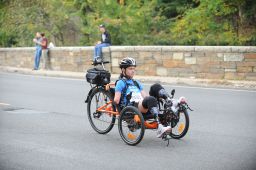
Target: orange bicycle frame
[109, 111]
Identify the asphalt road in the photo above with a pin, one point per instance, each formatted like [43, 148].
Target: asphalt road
[44, 125]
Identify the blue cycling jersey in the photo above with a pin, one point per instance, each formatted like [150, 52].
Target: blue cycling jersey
[122, 84]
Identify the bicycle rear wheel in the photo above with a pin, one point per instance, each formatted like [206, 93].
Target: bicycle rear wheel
[131, 125]
[102, 122]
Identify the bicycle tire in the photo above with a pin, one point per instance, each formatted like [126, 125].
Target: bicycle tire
[94, 115]
[183, 128]
[127, 117]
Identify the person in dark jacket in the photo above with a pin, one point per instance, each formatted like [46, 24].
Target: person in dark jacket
[105, 42]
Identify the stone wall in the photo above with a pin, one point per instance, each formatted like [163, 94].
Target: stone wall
[211, 62]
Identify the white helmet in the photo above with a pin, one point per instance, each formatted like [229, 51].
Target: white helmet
[127, 62]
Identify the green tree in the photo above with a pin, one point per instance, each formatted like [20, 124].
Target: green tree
[21, 19]
[216, 22]
[130, 22]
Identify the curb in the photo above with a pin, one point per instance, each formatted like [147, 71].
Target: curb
[237, 84]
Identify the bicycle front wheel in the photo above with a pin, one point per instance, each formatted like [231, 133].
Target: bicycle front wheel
[181, 128]
[102, 122]
[131, 125]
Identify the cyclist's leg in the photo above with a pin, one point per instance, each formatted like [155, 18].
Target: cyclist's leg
[158, 91]
[149, 103]
[142, 109]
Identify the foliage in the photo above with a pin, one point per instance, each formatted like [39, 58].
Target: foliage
[217, 22]
[20, 20]
[130, 22]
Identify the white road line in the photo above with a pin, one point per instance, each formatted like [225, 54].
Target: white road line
[220, 88]
[4, 104]
[48, 77]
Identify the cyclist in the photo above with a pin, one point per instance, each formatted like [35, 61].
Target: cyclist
[126, 85]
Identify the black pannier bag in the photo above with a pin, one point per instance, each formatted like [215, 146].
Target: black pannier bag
[98, 76]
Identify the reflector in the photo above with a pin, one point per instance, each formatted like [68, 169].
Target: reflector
[131, 136]
[181, 127]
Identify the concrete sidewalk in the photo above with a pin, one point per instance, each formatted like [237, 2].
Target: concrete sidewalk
[238, 84]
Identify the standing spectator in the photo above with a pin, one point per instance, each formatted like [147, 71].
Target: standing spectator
[105, 42]
[44, 50]
[38, 41]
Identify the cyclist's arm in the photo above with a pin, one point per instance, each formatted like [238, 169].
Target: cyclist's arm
[120, 85]
[117, 97]
[144, 94]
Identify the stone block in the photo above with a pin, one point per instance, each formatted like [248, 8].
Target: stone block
[143, 55]
[150, 72]
[121, 48]
[117, 54]
[133, 54]
[220, 55]
[161, 71]
[214, 75]
[140, 67]
[200, 68]
[228, 64]
[234, 76]
[116, 70]
[214, 64]
[148, 48]
[106, 54]
[167, 55]
[115, 62]
[215, 58]
[233, 57]
[173, 63]
[230, 70]
[198, 54]
[158, 57]
[106, 58]
[187, 54]
[213, 48]
[177, 71]
[246, 64]
[57, 68]
[250, 57]
[244, 69]
[203, 60]
[190, 60]
[179, 56]
[200, 75]
[150, 61]
[67, 67]
[140, 72]
[187, 75]
[71, 53]
[250, 76]
[178, 48]
[243, 49]
[52, 60]
[212, 55]
[216, 70]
